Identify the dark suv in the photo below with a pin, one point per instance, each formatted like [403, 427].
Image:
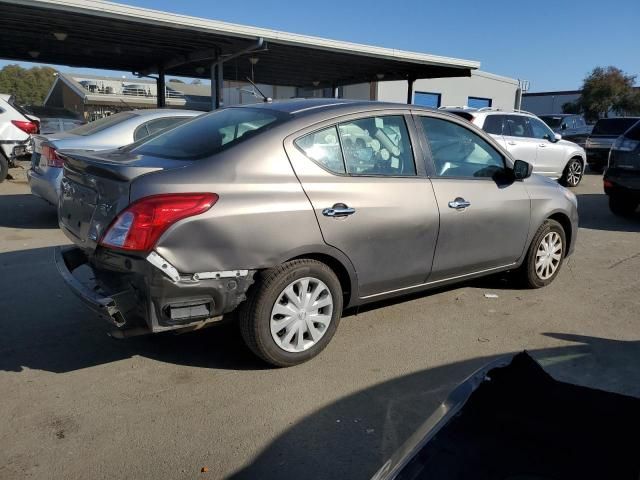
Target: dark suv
[605, 132]
[622, 178]
[572, 127]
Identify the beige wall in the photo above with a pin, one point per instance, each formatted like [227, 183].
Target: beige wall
[455, 91]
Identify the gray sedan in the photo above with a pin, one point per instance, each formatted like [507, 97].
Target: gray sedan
[105, 134]
[286, 213]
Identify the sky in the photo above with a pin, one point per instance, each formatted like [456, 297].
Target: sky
[553, 45]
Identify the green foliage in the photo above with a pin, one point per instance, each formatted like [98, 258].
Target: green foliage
[609, 89]
[571, 107]
[29, 86]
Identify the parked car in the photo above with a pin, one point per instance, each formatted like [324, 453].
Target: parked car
[573, 128]
[107, 133]
[528, 138]
[283, 225]
[16, 128]
[54, 119]
[622, 177]
[605, 132]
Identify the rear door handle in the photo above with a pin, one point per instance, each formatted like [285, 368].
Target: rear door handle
[459, 203]
[338, 210]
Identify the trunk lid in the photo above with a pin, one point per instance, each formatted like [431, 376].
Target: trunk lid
[95, 188]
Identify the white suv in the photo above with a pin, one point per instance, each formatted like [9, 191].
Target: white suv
[16, 127]
[528, 138]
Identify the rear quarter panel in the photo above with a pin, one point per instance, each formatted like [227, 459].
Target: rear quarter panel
[261, 217]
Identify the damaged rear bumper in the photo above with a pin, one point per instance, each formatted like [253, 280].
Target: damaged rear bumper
[144, 294]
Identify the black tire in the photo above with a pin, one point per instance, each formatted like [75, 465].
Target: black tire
[621, 205]
[528, 274]
[254, 315]
[573, 173]
[4, 168]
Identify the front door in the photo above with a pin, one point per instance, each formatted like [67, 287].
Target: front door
[369, 199]
[550, 158]
[484, 216]
[519, 139]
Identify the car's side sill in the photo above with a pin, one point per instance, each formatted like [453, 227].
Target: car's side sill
[436, 282]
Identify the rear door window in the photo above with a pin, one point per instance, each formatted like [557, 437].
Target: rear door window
[211, 133]
[516, 126]
[493, 124]
[377, 146]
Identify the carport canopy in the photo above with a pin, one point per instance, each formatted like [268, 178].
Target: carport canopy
[112, 36]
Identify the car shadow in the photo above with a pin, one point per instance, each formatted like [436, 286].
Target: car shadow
[354, 436]
[28, 212]
[593, 209]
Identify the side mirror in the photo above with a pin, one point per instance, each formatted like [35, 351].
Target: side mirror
[557, 137]
[522, 170]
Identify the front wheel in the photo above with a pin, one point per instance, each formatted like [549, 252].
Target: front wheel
[545, 255]
[291, 312]
[573, 173]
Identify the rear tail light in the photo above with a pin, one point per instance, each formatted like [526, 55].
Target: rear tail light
[140, 225]
[27, 126]
[607, 184]
[51, 156]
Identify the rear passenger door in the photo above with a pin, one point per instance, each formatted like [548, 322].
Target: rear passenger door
[370, 198]
[518, 139]
[484, 214]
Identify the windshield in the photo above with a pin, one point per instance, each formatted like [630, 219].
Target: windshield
[102, 124]
[210, 134]
[613, 126]
[553, 122]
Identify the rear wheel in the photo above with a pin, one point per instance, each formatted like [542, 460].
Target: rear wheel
[291, 312]
[573, 173]
[622, 205]
[545, 255]
[4, 167]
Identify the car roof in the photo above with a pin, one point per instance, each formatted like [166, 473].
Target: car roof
[165, 112]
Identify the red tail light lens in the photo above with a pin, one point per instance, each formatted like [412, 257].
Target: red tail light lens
[26, 126]
[52, 157]
[608, 184]
[140, 225]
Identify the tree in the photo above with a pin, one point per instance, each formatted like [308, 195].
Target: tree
[29, 86]
[609, 89]
[571, 107]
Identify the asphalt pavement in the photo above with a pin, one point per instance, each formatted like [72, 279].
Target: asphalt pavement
[77, 404]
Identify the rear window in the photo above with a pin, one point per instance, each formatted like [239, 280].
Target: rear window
[211, 133]
[613, 126]
[634, 132]
[102, 124]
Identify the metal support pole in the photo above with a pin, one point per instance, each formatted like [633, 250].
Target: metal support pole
[220, 85]
[214, 90]
[336, 91]
[410, 90]
[162, 91]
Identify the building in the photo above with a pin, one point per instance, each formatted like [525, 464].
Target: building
[94, 97]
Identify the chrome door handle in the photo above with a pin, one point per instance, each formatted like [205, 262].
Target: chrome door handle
[543, 145]
[338, 210]
[459, 203]
[511, 143]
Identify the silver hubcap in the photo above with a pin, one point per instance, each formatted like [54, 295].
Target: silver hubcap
[574, 173]
[549, 255]
[301, 315]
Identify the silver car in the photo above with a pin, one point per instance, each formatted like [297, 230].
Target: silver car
[528, 138]
[287, 213]
[105, 134]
